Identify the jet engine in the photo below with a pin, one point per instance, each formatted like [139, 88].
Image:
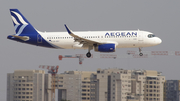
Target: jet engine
[105, 47]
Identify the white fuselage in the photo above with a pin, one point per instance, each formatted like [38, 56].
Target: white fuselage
[122, 39]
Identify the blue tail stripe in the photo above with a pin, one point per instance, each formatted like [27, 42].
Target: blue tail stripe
[21, 24]
[15, 18]
[13, 11]
[21, 29]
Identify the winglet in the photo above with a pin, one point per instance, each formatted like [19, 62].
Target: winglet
[68, 30]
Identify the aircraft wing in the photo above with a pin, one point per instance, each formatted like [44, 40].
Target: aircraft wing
[82, 40]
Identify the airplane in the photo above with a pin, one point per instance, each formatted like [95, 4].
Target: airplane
[100, 41]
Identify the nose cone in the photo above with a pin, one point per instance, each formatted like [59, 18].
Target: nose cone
[158, 41]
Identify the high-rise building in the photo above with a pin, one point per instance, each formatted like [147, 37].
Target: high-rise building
[25, 85]
[72, 85]
[111, 85]
[35, 85]
[148, 85]
[172, 90]
[127, 85]
[165, 90]
[154, 86]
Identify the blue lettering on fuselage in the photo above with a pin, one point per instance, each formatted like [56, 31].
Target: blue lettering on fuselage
[128, 34]
[107, 34]
[121, 34]
[117, 34]
[134, 33]
[112, 33]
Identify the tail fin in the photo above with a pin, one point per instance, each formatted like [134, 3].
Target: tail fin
[21, 24]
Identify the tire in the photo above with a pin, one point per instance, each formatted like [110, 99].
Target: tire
[140, 54]
[88, 54]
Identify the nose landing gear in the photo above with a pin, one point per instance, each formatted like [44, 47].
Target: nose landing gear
[140, 53]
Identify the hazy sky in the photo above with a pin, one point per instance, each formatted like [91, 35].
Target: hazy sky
[161, 17]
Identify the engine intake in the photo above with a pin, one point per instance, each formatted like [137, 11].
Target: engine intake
[105, 48]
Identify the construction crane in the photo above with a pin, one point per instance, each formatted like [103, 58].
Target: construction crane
[53, 71]
[155, 53]
[130, 54]
[82, 56]
[79, 56]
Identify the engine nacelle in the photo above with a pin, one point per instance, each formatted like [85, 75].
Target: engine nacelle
[105, 48]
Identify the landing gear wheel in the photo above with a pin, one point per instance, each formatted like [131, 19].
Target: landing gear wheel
[88, 54]
[140, 54]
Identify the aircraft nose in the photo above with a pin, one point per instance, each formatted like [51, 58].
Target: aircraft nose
[158, 41]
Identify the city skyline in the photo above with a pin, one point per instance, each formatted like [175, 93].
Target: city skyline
[104, 84]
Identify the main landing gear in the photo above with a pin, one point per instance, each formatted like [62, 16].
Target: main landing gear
[89, 54]
[140, 53]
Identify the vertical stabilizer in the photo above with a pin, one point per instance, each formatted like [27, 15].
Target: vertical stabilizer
[21, 24]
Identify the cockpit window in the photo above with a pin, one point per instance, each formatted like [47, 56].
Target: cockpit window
[151, 35]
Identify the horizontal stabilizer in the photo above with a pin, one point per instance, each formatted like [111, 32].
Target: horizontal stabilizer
[24, 38]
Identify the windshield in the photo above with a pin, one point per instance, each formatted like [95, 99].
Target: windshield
[151, 35]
